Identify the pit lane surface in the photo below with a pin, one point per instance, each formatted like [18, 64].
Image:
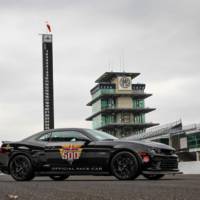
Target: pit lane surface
[179, 187]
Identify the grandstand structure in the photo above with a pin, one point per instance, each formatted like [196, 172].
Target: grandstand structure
[185, 139]
[159, 131]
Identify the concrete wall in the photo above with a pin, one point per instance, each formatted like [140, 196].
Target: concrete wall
[124, 102]
[96, 107]
[192, 167]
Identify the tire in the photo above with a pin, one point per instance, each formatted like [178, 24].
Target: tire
[153, 176]
[21, 168]
[124, 166]
[59, 177]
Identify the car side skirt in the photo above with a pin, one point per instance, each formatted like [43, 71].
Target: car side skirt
[48, 173]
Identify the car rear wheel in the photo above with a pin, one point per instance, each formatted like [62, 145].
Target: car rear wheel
[59, 177]
[153, 176]
[21, 168]
[124, 166]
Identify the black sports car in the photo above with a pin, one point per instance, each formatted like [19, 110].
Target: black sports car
[59, 153]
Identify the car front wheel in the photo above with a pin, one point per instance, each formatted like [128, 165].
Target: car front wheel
[153, 176]
[124, 166]
[21, 168]
[59, 177]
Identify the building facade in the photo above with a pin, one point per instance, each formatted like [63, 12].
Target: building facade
[118, 106]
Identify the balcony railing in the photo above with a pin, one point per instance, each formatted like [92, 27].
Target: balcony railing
[108, 107]
[103, 91]
[109, 122]
[113, 91]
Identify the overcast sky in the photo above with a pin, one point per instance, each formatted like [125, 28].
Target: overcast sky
[160, 39]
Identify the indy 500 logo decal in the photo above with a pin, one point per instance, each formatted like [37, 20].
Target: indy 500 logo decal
[71, 152]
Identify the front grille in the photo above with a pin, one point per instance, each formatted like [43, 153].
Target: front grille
[166, 151]
[167, 164]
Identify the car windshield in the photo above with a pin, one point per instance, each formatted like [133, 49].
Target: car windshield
[100, 135]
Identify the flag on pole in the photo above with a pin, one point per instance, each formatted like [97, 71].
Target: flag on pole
[48, 27]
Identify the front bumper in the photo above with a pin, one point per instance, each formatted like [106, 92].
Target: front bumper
[161, 164]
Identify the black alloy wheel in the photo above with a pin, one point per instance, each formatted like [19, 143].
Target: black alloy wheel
[21, 168]
[59, 177]
[153, 176]
[125, 166]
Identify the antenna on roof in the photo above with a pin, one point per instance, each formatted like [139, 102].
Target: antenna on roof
[123, 60]
[120, 64]
[110, 65]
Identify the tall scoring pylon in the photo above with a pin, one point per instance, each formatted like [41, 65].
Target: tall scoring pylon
[48, 97]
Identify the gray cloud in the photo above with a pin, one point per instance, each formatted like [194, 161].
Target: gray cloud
[160, 39]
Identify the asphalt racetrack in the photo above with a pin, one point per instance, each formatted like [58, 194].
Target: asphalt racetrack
[179, 187]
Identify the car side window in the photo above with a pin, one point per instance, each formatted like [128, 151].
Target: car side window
[45, 137]
[67, 136]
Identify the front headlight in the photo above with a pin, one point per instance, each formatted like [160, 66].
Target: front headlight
[156, 151]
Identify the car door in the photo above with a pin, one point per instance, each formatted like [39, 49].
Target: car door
[65, 151]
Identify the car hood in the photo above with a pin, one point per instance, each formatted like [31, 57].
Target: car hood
[151, 144]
